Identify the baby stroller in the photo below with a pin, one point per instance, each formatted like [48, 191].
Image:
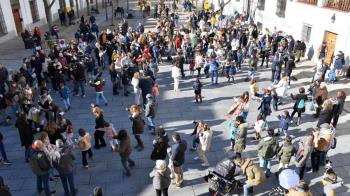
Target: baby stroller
[287, 179]
[225, 179]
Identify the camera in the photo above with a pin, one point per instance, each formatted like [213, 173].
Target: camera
[194, 122]
[127, 109]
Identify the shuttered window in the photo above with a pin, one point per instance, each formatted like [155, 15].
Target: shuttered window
[281, 8]
[34, 10]
[306, 32]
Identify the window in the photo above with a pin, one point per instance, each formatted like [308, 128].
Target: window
[306, 32]
[34, 10]
[3, 29]
[261, 5]
[281, 8]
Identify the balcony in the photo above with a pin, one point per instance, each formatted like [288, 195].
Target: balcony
[342, 5]
[311, 2]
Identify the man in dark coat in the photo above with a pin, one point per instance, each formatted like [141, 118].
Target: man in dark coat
[25, 133]
[177, 158]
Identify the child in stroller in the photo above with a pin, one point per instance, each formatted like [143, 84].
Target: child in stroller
[225, 179]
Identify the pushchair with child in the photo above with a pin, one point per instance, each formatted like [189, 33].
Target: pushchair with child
[287, 179]
[225, 179]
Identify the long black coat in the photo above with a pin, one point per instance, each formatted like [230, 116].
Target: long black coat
[25, 132]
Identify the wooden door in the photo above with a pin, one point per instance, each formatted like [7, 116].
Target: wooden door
[18, 20]
[331, 39]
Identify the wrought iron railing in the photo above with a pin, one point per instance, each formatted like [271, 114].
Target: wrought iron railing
[343, 5]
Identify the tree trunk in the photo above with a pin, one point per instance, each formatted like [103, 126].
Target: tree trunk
[48, 14]
[77, 8]
[88, 7]
[97, 5]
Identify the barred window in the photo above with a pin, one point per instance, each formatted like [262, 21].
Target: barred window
[3, 29]
[261, 5]
[281, 8]
[34, 10]
[306, 32]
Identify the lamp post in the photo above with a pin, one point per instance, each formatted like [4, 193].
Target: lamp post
[112, 23]
[106, 10]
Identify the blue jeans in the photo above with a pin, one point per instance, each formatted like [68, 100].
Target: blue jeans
[151, 125]
[195, 141]
[214, 76]
[251, 74]
[80, 85]
[245, 189]
[66, 103]
[99, 95]
[43, 180]
[266, 164]
[126, 162]
[2, 150]
[65, 179]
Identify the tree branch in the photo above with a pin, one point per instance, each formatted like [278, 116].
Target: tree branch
[51, 4]
[226, 3]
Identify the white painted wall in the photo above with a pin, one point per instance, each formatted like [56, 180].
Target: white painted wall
[27, 16]
[297, 14]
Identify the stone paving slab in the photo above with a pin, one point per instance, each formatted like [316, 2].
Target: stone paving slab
[176, 112]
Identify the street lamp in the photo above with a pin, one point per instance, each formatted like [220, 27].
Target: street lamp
[112, 23]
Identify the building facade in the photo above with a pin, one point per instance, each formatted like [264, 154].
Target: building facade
[17, 15]
[314, 21]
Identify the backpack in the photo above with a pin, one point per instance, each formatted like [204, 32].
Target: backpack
[301, 104]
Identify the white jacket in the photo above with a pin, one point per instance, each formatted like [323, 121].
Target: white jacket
[205, 139]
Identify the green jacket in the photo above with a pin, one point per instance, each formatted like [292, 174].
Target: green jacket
[241, 137]
[286, 153]
[267, 148]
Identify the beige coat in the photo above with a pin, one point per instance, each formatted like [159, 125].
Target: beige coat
[84, 143]
[205, 139]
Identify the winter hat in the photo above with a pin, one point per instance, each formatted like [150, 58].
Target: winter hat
[160, 165]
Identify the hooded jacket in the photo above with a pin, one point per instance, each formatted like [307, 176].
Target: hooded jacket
[253, 172]
[66, 163]
[39, 162]
[267, 148]
[241, 137]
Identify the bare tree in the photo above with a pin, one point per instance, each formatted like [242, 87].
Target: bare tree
[48, 6]
[77, 8]
[222, 5]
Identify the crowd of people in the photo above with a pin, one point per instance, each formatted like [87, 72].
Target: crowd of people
[219, 45]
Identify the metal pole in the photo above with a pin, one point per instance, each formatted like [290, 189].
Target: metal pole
[112, 24]
[105, 3]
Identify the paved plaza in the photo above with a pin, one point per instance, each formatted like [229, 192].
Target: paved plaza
[176, 112]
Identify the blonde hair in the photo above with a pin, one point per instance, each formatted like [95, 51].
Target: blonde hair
[135, 109]
[98, 111]
[327, 105]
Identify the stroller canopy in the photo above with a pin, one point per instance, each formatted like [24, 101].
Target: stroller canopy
[288, 178]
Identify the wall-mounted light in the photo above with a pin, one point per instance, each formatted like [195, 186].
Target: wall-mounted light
[333, 18]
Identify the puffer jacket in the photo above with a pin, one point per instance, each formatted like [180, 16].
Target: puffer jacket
[66, 163]
[39, 162]
[253, 172]
[85, 142]
[161, 180]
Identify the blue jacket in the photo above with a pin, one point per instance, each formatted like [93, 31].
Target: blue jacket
[284, 123]
[213, 65]
[64, 92]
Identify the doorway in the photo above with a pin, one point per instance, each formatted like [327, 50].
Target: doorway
[18, 20]
[331, 39]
